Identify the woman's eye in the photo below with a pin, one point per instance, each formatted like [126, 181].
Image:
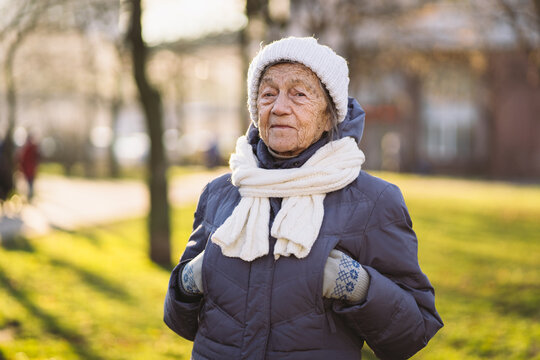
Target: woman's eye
[300, 94]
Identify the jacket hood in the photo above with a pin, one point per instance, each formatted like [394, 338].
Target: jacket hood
[352, 126]
[354, 122]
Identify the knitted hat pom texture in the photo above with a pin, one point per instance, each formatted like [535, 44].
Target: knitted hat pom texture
[331, 69]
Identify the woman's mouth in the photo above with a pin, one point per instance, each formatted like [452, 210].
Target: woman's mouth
[280, 127]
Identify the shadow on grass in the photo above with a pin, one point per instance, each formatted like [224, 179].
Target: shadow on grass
[75, 340]
[100, 283]
[85, 233]
[93, 233]
[518, 299]
[17, 243]
[90, 233]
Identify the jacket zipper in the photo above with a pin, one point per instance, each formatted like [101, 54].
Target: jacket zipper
[331, 321]
[273, 265]
[269, 307]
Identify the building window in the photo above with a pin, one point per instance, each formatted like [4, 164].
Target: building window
[449, 114]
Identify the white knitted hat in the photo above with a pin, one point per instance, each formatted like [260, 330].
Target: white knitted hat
[331, 69]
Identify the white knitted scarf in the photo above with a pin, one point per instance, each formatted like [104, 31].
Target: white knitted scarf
[296, 226]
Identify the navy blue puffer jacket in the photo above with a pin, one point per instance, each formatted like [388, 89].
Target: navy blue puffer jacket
[267, 309]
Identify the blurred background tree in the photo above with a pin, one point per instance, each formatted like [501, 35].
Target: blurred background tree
[158, 221]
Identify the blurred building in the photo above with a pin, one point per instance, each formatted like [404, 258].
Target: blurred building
[447, 86]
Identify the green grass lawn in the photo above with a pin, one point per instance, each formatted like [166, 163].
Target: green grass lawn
[134, 172]
[93, 294]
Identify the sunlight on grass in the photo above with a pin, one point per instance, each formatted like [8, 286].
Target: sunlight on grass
[133, 172]
[93, 294]
[479, 244]
[87, 295]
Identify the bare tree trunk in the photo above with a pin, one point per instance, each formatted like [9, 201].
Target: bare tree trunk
[114, 111]
[243, 115]
[150, 98]
[256, 10]
[114, 108]
[8, 147]
[524, 42]
[89, 110]
[179, 98]
[411, 128]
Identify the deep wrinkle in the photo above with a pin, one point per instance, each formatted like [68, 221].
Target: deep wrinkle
[292, 108]
[292, 82]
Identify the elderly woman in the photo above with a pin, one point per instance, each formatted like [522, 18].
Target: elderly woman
[299, 254]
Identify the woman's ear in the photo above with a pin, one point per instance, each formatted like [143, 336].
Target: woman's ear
[328, 125]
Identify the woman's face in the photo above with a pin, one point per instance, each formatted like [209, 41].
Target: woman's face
[292, 108]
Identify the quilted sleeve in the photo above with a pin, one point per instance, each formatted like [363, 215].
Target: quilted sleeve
[398, 316]
[181, 310]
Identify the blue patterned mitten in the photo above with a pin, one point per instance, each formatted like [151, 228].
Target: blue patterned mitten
[191, 279]
[344, 278]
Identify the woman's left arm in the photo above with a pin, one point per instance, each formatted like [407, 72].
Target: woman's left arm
[398, 316]
[181, 309]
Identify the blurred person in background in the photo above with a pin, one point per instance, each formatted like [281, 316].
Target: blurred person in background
[300, 254]
[28, 163]
[6, 176]
[212, 156]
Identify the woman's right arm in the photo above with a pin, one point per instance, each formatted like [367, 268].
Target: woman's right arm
[181, 310]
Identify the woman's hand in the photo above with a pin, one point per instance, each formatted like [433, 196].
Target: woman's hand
[191, 280]
[344, 278]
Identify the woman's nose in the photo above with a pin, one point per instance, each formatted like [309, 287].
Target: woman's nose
[281, 105]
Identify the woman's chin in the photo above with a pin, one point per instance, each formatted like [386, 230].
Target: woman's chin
[281, 146]
[284, 150]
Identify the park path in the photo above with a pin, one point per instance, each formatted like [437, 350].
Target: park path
[70, 203]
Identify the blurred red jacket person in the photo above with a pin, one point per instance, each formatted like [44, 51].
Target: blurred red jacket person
[29, 158]
[28, 163]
